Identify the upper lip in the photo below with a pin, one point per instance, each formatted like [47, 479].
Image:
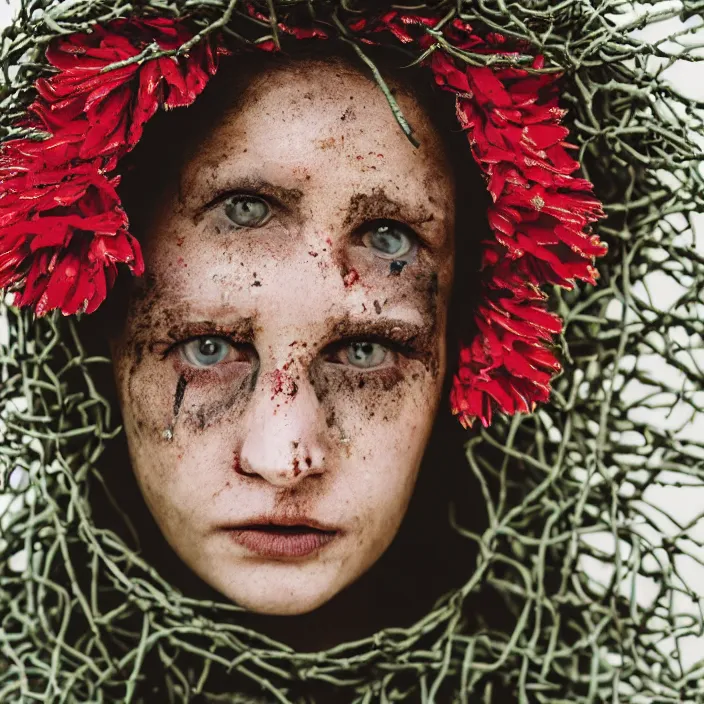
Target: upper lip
[274, 520]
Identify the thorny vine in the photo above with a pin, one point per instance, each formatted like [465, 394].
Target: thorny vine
[586, 465]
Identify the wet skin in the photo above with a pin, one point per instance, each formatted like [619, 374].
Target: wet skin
[279, 358]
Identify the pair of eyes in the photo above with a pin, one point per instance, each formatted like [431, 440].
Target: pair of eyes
[389, 239]
[206, 352]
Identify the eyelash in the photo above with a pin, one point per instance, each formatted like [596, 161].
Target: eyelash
[358, 231]
[368, 225]
[401, 348]
[221, 197]
[404, 349]
[173, 346]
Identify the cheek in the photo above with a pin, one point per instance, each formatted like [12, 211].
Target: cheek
[379, 417]
[422, 286]
[163, 398]
[180, 454]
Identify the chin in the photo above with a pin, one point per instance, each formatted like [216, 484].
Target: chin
[278, 589]
[281, 601]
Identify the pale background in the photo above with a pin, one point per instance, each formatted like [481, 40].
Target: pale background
[685, 502]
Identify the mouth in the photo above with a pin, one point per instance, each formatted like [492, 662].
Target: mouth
[276, 540]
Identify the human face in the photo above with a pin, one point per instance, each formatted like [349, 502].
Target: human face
[282, 362]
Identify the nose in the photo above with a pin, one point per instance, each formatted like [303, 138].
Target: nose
[284, 439]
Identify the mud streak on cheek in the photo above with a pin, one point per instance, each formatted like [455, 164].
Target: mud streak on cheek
[178, 398]
[218, 400]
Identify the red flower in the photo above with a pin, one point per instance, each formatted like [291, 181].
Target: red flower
[63, 228]
[298, 32]
[118, 103]
[63, 233]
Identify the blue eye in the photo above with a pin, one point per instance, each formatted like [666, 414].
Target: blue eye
[366, 354]
[206, 351]
[389, 241]
[247, 211]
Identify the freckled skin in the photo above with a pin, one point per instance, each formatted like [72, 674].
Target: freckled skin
[285, 424]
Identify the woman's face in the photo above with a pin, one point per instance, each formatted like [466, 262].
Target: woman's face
[282, 361]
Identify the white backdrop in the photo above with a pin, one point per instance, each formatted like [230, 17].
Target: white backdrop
[685, 502]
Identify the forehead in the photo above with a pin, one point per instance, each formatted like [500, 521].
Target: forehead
[327, 121]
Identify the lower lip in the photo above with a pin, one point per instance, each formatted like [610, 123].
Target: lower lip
[269, 543]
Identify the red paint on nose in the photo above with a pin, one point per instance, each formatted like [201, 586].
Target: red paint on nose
[283, 383]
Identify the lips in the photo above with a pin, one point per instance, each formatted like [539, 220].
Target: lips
[283, 538]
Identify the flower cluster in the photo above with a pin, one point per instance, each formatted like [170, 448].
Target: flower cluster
[540, 216]
[64, 231]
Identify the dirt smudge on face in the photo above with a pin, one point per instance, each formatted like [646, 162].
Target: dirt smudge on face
[282, 383]
[396, 267]
[178, 397]
[378, 205]
[237, 464]
[350, 277]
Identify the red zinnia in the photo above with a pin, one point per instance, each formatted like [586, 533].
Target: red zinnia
[63, 227]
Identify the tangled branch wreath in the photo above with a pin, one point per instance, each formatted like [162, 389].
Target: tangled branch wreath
[582, 464]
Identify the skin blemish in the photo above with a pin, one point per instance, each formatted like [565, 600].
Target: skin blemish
[282, 383]
[296, 467]
[377, 307]
[396, 267]
[351, 277]
[220, 490]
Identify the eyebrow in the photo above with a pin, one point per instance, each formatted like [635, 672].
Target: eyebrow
[377, 204]
[241, 329]
[417, 338]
